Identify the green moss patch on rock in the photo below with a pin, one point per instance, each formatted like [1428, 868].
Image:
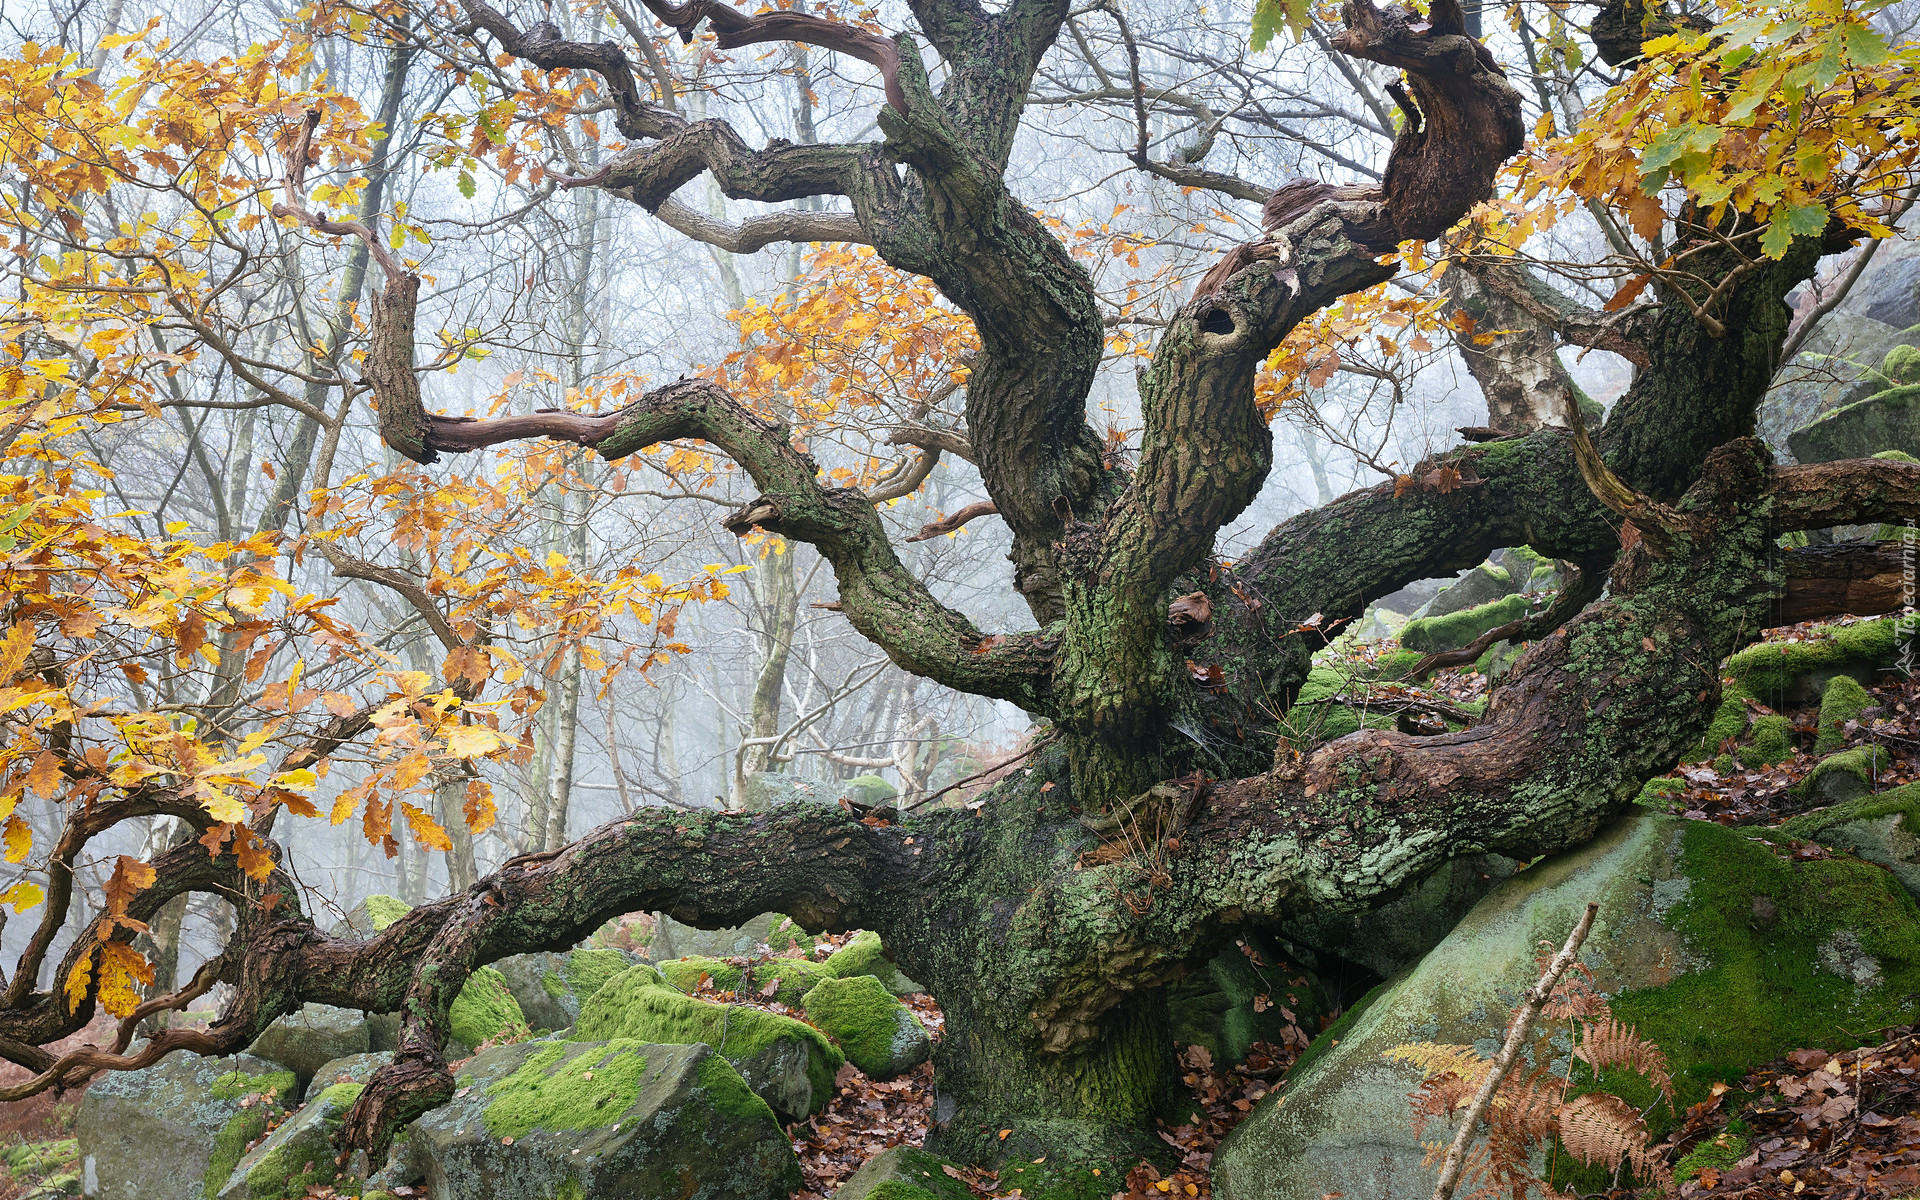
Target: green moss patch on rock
[1456, 629]
[864, 955]
[903, 1173]
[653, 1120]
[1847, 775]
[1882, 829]
[690, 972]
[560, 1088]
[1776, 672]
[878, 1034]
[298, 1156]
[1771, 742]
[589, 969]
[1722, 951]
[789, 1064]
[1842, 702]
[485, 1009]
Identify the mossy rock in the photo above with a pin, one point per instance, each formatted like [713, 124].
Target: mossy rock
[869, 789]
[298, 1155]
[1882, 829]
[1886, 420]
[876, 1032]
[318, 1033]
[672, 939]
[690, 972]
[1847, 775]
[1662, 795]
[1778, 673]
[354, 1068]
[1769, 742]
[1061, 1180]
[1499, 658]
[787, 1063]
[539, 986]
[549, 1120]
[1843, 701]
[1723, 952]
[1480, 586]
[175, 1130]
[865, 955]
[485, 1009]
[36, 1160]
[903, 1173]
[371, 915]
[794, 977]
[1454, 630]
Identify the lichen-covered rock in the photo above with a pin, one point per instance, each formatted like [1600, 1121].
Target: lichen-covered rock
[571, 1120]
[1723, 951]
[539, 987]
[903, 1173]
[864, 955]
[354, 1068]
[298, 1155]
[1882, 829]
[485, 1009]
[671, 939]
[1847, 775]
[1842, 702]
[175, 1130]
[303, 1041]
[876, 1032]
[1395, 935]
[788, 1064]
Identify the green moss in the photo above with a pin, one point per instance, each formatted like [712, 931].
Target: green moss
[1065, 1180]
[1725, 765]
[895, 1189]
[1772, 742]
[237, 1084]
[33, 1159]
[686, 973]
[863, 955]
[797, 977]
[1719, 1153]
[383, 911]
[1770, 984]
[1450, 632]
[343, 1095]
[1729, 720]
[1842, 702]
[634, 1005]
[553, 985]
[485, 1009]
[1335, 1033]
[863, 1017]
[1847, 775]
[788, 934]
[304, 1162]
[1904, 800]
[1768, 670]
[728, 1093]
[1661, 794]
[589, 970]
[230, 1146]
[870, 789]
[566, 1086]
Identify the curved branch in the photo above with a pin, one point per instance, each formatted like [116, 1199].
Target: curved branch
[732, 29]
[756, 233]
[947, 524]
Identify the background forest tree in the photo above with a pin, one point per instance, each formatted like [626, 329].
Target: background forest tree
[411, 405]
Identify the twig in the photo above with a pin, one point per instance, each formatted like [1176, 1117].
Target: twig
[1028, 752]
[1530, 1006]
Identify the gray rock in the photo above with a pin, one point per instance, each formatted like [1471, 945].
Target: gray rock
[1882, 829]
[538, 982]
[1482, 585]
[304, 1041]
[671, 939]
[1680, 921]
[298, 1155]
[1835, 368]
[907, 1165]
[1889, 289]
[544, 1120]
[157, 1134]
[354, 1068]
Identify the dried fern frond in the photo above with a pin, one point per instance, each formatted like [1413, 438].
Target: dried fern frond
[1435, 1058]
[1530, 1106]
[1600, 1129]
[1574, 997]
[1608, 1043]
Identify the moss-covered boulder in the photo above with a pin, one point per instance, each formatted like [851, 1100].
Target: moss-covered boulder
[774, 931]
[903, 1173]
[787, 1063]
[876, 1032]
[1769, 741]
[789, 978]
[371, 915]
[868, 789]
[864, 955]
[1841, 703]
[1476, 587]
[318, 1033]
[1885, 420]
[1882, 829]
[298, 1155]
[551, 1120]
[1720, 949]
[1781, 673]
[539, 986]
[485, 1010]
[175, 1130]
[1454, 630]
[1847, 775]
